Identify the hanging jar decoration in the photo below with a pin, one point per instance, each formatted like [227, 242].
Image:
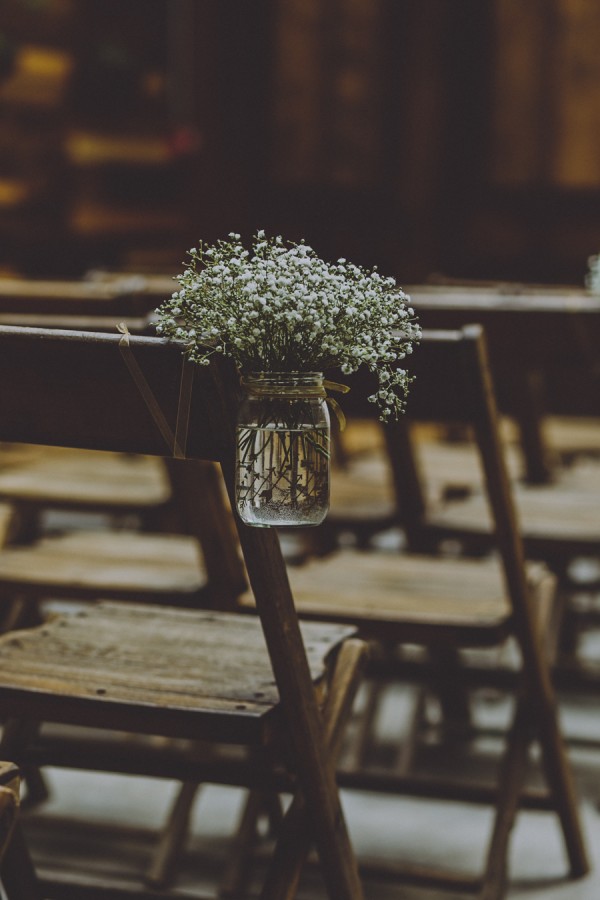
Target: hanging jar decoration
[285, 315]
[282, 464]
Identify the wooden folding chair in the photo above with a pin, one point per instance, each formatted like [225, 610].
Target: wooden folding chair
[37, 480]
[203, 676]
[543, 348]
[447, 604]
[83, 558]
[112, 490]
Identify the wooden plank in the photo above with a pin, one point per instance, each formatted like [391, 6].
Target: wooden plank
[564, 513]
[102, 407]
[404, 597]
[57, 477]
[122, 295]
[510, 314]
[95, 564]
[108, 323]
[9, 802]
[148, 666]
[363, 490]
[572, 436]
[7, 522]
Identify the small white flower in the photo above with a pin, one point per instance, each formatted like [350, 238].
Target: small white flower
[281, 307]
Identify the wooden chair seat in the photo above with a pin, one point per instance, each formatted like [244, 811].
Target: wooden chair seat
[559, 520]
[153, 670]
[106, 564]
[572, 437]
[12, 454]
[362, 491]
[408, 597]
[70, 479]
[451, 467]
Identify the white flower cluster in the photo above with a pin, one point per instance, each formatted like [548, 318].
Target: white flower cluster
[592, 280]
[281, 308]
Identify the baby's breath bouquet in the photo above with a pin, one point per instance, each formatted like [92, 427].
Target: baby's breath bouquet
[279, 309]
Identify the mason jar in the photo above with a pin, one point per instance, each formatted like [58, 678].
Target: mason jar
[282, 462]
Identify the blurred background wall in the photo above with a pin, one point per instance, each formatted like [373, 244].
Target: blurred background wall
[451, 136]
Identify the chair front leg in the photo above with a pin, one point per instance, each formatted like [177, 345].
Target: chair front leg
[295, 836]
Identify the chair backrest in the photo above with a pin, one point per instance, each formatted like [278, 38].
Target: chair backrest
[521, 323]
[117, 295]
[93, 401]
[137, 394]
[543, 345]
[452, 384]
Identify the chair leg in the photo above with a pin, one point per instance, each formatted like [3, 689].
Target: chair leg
[295, 834]
[532, 626]
[162, 869]
[18, 874]
[275, 605]
[450, 689]
[238, 871]
[560, 782]
[362, 744]
[510, 784]
[17, 734]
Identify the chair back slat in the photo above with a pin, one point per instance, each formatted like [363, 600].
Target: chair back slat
[118, 296]
[452, 384]
[440, 388]
[522, 325]
[91, 398]
[553, 333]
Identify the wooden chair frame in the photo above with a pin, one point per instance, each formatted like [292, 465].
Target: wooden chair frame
[566, 325]
[453, 385]
[101, 408]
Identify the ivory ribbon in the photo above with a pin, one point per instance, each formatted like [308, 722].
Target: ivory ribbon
[335, 406]
[177, 443]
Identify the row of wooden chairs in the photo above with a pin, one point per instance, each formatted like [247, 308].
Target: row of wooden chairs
[542, 356]
[145, 675]
[67, 549]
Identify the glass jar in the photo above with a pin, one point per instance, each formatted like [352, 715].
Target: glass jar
[282, 465]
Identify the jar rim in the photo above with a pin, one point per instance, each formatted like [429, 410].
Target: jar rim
[283, 374]
[300, 383]
[308, 378]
